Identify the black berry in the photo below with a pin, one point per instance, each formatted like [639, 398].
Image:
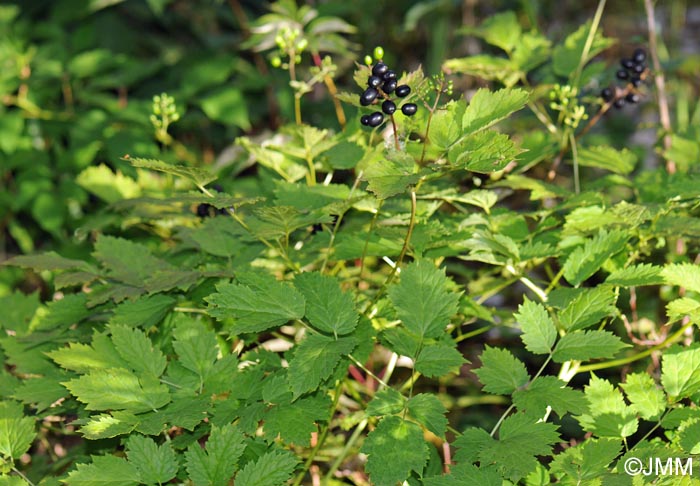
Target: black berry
[639, 68]
[374, 81]
[619, 103]
[622, 74]
[389, 107]
[365, 120]
[409, 109]
[369, 95]
[636, 81]
[389, 86]
[379, 69]
[203, 210]
[606, 94]
[375, 119]
[639, 55]
[403, 90]
[632, 98]
[389, 75]
[627, 63]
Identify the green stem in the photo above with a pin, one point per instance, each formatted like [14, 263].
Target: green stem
[574, 155]
[589, 41]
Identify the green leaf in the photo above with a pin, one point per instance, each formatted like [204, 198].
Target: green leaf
[82, 357]
[500, 30]
[104, 471]
[430, 412]
[486, 108]
[105, 425]
[271, 469]
[198, 176]
[539, 331]
[226, 105]
[422, 299]
[296, 422]
[446, 124]
[392, 174]
[689, 436]
[685, 275]
[685, 151]
[608, 158]
[501, 372]
[18, 311]
[386, 401]
[315, 359]
[484, 152]
[588, 460]
[16, 431]
[436, 360]
[136, 349]
[588, 307]
[108, 186]
[127, 261]
[645, 396]
[636, 275]
[584, 261]
[486, 67]
[196, 347]
[215, 464]
[680, 371]
[258, 303]
[608, 415]
[587, 345]
[395, 448]
[48, 261]
[155, 464]
[328, 308]
[685, 306]
[344, 155]
[118, 389]
[144, 312]
[464, 474]
[549, 391]
[567, 55]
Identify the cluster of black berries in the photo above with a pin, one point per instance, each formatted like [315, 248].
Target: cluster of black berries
[633, 73]
[380, 85]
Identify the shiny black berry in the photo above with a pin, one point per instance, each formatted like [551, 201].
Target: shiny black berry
[622, 74]
[619, 103]
[368, 96]
[607, 94]
[639, 55]
[403, 90]
[632, 98]
[639, 68]
[365, 120]
[375, 119]
[389, 107]
[203, 210]
[409, 109]
[636, 81]
[379, 69]
[627, 63]
[389, 86]
[374, 81]
[389, 75]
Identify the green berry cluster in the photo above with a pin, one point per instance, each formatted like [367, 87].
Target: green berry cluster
[291, 43]
[164, 112]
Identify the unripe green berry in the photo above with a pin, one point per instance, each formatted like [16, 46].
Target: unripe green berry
[276, 61]
[379, 53]
[368, 60]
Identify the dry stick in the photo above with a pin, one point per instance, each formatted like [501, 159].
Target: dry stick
[664, 116]
[333, 90]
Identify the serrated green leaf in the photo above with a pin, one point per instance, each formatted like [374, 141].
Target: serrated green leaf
[436, 360]
[429, 411]
[108, 186]
[685, 275]
[127, 261]
[395, 448]
[258, 303]
[105, 426]
[315, 359]
[41, 392]
[274, 222]
[549, 391]
[82, 357]
[608, 158]
[271, 469]
[685, 306]
[196, 347]
[464, 474]
[16, 431]
[156, 464]
[386, 401]
[198, 176]
[500, 30]
[645, 396]
[144, 312]
[391, 174]
[328, 308]
[501, 372]
[486, 67]
[680, 371]
[587, 345]
[296, 422]
[422, 299]
[588, 460]
[446, 124]
[215, 464]
[486, 108]
[136, 349]
[344, 155]
[539, 331]
[18, 311]
[689, 436]
[71, 309]
[470, 444]
[635, 275]
[226, 105]
[118, 389]
[48, 261]
[588, 307]
[584, 261]
[104, 471]
[608, 415]
[567, 55]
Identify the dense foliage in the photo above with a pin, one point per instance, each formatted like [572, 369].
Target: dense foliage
[230, 259]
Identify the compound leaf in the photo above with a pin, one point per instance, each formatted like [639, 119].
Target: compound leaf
[328, 308]
[315, 359]
[539, 331]
[501, 372]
